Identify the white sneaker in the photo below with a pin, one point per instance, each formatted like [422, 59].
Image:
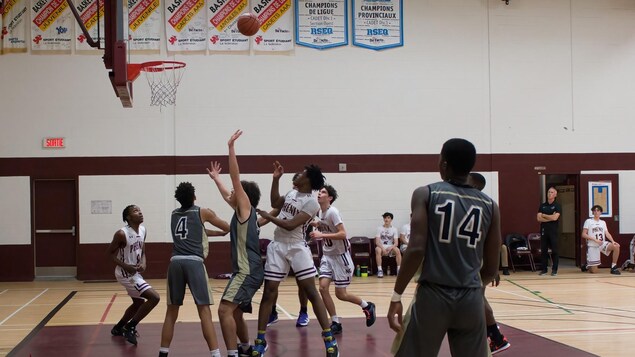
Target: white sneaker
[380, 273]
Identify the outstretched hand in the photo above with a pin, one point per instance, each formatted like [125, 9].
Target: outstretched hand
[234, 137]
[214, 170]
[278, 170]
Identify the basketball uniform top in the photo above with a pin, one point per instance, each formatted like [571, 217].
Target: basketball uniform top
[329, 220]
[131, 253]
[294, 203]
[188, 233]
[459, 219]
[245, 243]
[405, 230]
[596, 229]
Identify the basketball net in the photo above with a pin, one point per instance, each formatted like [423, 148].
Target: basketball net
[163, 78]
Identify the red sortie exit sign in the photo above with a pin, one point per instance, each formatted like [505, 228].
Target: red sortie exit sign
[53, 143]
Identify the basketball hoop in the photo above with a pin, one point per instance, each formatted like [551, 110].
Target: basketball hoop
[163, 77]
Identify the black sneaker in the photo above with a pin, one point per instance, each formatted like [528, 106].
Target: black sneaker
[554, 272]
[369, 311]
[117, 331]
[130, 333]
[499, 347]
[336, 328]
[505, 271]
[615, 271]
[583, 268]
[244, 353]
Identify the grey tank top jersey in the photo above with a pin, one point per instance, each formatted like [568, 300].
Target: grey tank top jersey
[188, 233]
[459, 219]
[245, 244]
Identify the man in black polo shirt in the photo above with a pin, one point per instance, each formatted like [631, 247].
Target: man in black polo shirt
[548, 215]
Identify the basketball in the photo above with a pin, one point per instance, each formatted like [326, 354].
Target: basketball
[248, 24]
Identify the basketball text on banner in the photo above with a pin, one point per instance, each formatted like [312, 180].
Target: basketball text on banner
[51, 26]
[144, 20]
[223, 33]
[321, 23]
[185, 25]
[378, 24]
[14, 26]
[276, 21]
[87, 10]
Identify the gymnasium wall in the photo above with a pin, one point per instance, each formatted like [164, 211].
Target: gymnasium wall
[531, 82]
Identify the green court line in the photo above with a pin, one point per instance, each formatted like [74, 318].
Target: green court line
[537, 294]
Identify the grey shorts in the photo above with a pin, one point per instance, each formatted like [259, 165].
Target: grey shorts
[182, 272]
[242, 288]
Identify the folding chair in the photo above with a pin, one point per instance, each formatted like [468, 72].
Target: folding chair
[518, 246]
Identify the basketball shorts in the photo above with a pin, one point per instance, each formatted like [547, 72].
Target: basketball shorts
[191, 272]
[593, 253]
[282, 255]
[338, 268]
[241, 289]
[135, 285]
[389, 250]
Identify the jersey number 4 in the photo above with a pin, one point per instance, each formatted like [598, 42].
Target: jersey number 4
[469, 227]
[181, 228]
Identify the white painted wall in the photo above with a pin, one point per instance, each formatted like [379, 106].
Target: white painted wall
[15, 210]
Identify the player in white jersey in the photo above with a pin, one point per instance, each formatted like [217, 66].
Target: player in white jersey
[289, 249]
[629, 264]
[387, 243]
[127, 251]
[598, 240]
[336, 264]
[404, 236]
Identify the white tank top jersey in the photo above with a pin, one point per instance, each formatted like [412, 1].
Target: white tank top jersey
[131, 253]
[596, 229]
[405, 230]
[329, 220]
[294, 203]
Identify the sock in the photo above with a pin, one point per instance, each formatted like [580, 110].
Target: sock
[232, 353]
[494, 333]
[163, 351]
[274, 311]
[398, 269]
[261, 335]
[303, 310]
[334, 318]
[215, 353]
[613, 265]
[364, 304]
[244, 346]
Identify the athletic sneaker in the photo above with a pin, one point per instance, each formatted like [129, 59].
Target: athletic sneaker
[117, 331]
[244, 353]
[554, 272]
[615, 271]
[505, 271]
[331, 346]
[336, 328]
[627, 265]
[543, 272]
[303, 320]
[369, 311]
[130, 333]
[259, 348]
[380, 273]
[273, 318]
[499, 347]
[583, 268]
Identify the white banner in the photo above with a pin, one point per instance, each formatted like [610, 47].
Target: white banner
[14, 26]
[321, 23]
[276, 23]
[185, 26]
[51, 24]
[144, 21]
[223, 33]
[378, 24]
[87, 10]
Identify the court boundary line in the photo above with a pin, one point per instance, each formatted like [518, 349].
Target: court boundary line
[41, 325]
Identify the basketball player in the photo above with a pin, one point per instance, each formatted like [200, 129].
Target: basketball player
[247, 270]
[598, 239]
[336, 264]
[497, 341]
[187, 266]
[456, 228]
[289, 249]
[127, 250]
[629, 264]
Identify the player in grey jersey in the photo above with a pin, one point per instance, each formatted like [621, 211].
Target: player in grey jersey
[457, 229]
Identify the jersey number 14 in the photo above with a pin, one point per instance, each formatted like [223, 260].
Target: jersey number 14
[469, 227]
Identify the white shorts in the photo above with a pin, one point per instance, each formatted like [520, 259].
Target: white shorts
[281, 256]
[135, 285]
[593, 254]
[338, 268]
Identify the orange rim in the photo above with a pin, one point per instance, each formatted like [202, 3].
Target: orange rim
[134, 69]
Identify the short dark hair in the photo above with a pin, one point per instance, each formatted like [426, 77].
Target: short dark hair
[478, 180]
[388, 214]
[126, 212]
[253, 192]
[314, 173]
[295, 176]
[331, 191]
[597, 207]
[460, 155]
[185, 194]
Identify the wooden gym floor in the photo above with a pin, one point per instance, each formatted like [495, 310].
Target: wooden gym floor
[573, 314]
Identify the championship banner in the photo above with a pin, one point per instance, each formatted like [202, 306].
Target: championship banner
[51, 22]
[321, 23]
[144, 20]
[276, 23]
[87, 10]
[14, 26]
[378, 24]
[185, 25]
[222, 16]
